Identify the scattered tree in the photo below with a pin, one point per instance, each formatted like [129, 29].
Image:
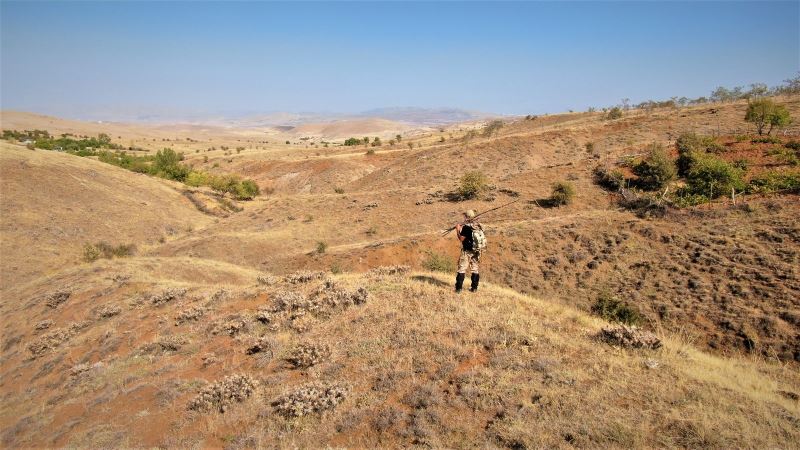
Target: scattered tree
[764, 112]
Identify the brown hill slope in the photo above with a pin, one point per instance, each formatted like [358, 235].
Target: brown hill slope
[53, 204]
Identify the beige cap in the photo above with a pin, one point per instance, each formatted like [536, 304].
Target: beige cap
[469, 213]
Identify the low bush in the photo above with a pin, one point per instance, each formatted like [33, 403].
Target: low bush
[766, 140]
[563, 193]
[775, 181]
[614, 113]
[221, 395]
[471, 185]
[246, 190]
[655, 171]
[690, 147]
[93, 252]
[630, 337]
[794, 145]
[614, 310]
[306, 355]
[438, 262]
[610, 179]
[742, 164]
[311, 398]
[321, 247]
[785, 155]
[713, 177]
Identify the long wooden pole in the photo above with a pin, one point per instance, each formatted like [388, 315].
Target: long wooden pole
[478, 215]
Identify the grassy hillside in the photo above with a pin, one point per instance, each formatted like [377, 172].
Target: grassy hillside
[409, 363]
[141, 312]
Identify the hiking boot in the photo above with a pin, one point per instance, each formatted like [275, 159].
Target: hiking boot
[459, 282]
[476, 278]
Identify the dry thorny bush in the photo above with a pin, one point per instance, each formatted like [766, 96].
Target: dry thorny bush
[169, 343]
[167, 295]
[56, 298]
[304, 276]
[43, 325]
[308, 354]
[630, 337]
[311, 398]
[190, 314]
[222, 394]
[382, 271]
[262, 344]
[267, 279]
[231, 325]
[55, 338]
[108, 311]
[300, 310]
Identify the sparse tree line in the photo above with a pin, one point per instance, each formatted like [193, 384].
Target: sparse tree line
[165, 163]
[756, 92]
[81, 146]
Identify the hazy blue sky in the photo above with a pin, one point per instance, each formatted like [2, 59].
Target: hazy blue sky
[75, 58]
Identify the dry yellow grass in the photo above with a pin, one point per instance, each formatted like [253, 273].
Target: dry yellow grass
[421, 365]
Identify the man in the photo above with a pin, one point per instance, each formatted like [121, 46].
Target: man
[470, 253]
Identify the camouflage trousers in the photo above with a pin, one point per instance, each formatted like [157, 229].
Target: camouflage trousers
[468, 261]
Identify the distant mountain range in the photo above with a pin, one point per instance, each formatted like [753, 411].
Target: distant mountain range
[426, 116]
[408, 115]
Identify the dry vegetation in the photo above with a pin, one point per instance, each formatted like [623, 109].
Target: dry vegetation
[606, 318]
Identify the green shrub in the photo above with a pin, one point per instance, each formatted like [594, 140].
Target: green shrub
[686, 200]
[794, 145]
[223, 183]
[742, 164]
[166, 164]
[197, 179]
[614, 310]
[563, 193]
[471, 185]
[376, 142]
[338, 190]
[766, 140]
[785, 155]
[610, 179]
[614, 113]
[246, 190]
[93, 252]
[321, 247]
[655, 171]
[690, 147]
[437, 262]
[713, 177]
[773, 181]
